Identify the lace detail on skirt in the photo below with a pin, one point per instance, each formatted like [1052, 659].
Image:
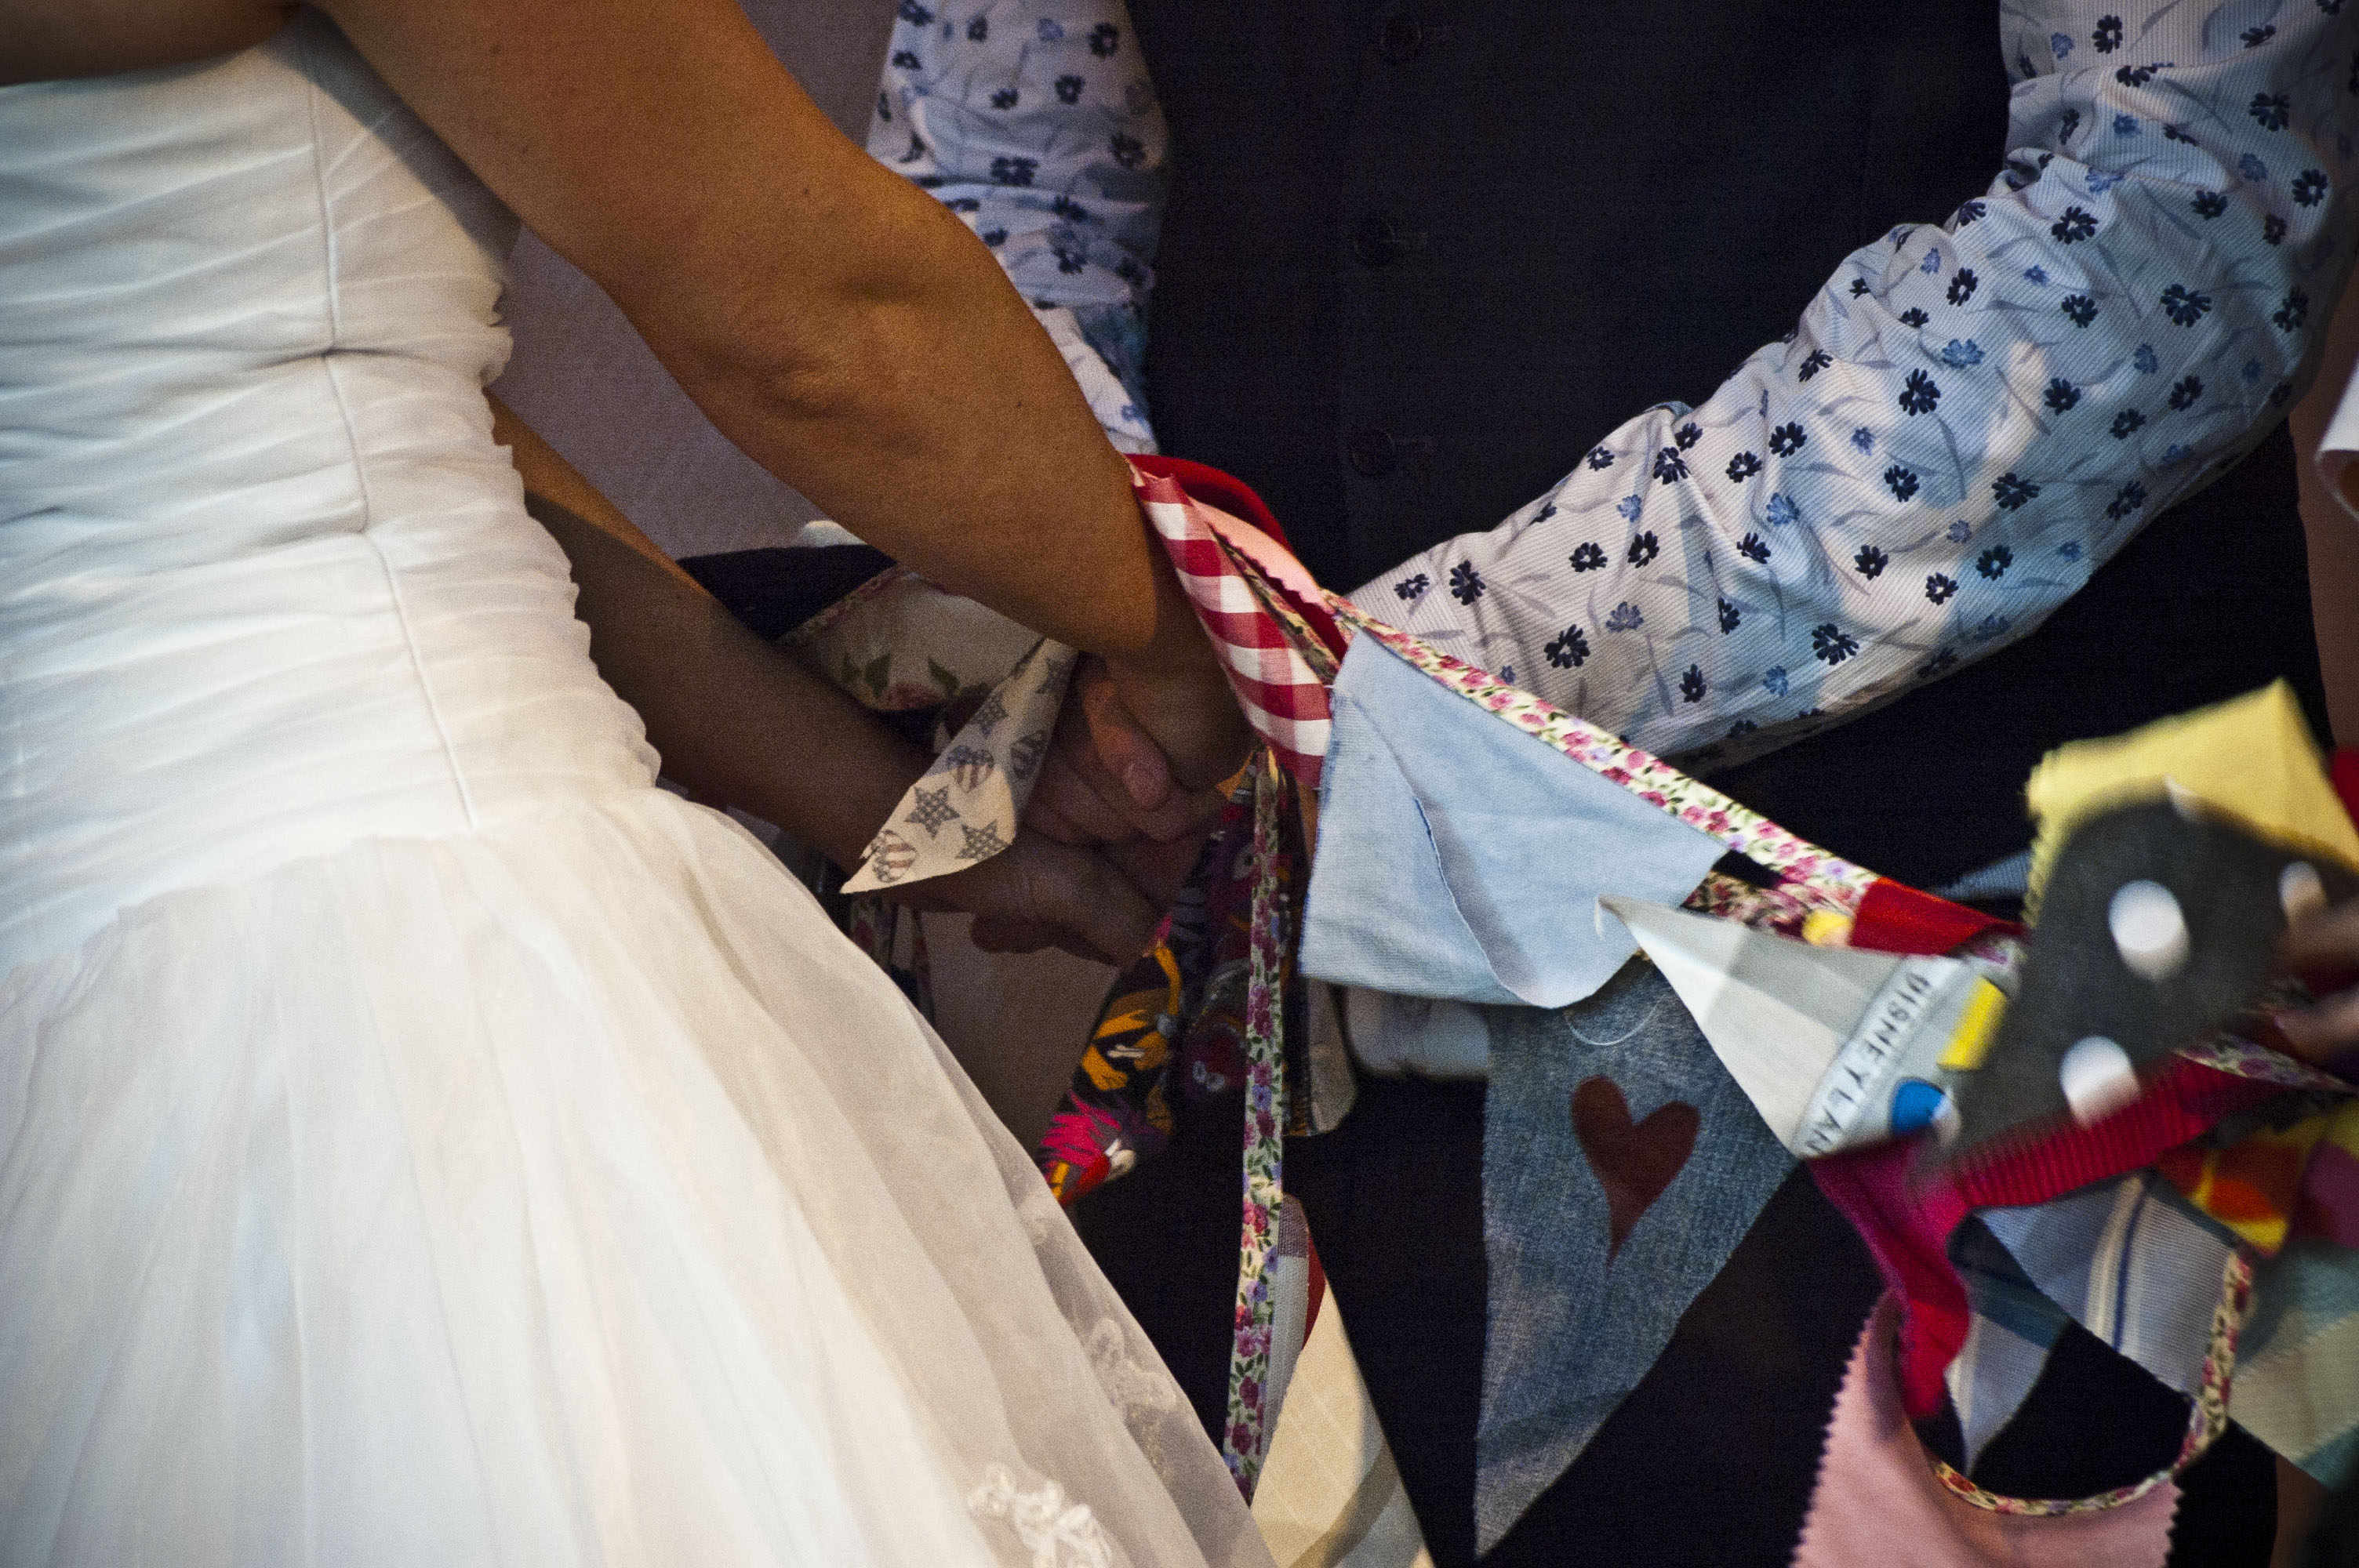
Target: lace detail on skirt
[1059, 1533]
[1135, 1385]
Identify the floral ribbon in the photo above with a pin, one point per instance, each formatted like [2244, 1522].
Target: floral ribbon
[1204, 1018]
[1245, 1440]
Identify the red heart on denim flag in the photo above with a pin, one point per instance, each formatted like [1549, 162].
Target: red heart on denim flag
[1634, 1162]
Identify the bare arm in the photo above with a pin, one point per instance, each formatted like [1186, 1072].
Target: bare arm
[831, 320]
[740, 722]
[43, 39]
[737, 719]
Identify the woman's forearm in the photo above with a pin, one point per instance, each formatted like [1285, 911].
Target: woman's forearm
[737, 721]
[935, 419]
[833, 322]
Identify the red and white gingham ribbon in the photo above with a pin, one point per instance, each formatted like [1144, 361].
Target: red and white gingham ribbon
[1283, 700]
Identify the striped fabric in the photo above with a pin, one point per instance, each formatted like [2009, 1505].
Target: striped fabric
[1283, 698]
[2131, 1260]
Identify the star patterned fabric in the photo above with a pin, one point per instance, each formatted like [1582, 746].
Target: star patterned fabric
[966, 806]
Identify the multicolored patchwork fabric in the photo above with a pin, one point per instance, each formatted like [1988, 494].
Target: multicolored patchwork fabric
[2298, 1389]
[2207, 1417]
[1181, 999]
[2252, 1185]
[1202, 1024]
[1906, 1219]
[2132, 1263]
[1121, 1107]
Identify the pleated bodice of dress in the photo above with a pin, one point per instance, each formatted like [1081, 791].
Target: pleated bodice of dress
[267, 585]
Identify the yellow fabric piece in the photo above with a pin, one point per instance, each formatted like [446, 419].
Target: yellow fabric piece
[1826, 928]
[2252, 1185]
[2250, 759]
[2343, 1127]
[1970, 1046]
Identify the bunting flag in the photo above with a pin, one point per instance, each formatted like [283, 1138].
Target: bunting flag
[1874, 1493]
[965, 807]
[1837, 1047]
[2160, 924]
[2168, 864]
[1921, 1023]
[1216, 993]
[1329, 1496]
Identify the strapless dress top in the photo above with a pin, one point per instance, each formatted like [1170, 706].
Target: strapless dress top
[267, 584]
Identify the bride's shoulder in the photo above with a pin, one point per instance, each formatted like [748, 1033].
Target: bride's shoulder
[44, 39]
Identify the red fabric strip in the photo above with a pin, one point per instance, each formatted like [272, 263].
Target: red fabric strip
[1283, 698]
[1897, 918]
[1210, 485]
[1905, 1218]
[2342, 768]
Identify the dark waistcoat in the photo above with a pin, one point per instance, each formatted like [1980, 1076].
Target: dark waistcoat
[1417, 260]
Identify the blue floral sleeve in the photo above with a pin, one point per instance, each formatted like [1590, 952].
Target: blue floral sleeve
[1970, 416]
[1968, 420]
[1036, 124]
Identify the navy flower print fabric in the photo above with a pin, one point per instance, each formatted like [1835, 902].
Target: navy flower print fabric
[1971, 416]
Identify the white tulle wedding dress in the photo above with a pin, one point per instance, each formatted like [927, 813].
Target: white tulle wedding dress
[422, 1140]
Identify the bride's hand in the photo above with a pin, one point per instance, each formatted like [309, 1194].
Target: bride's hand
[1038, 893]
[1106, 783]
[1181, 714]
[1107, 780]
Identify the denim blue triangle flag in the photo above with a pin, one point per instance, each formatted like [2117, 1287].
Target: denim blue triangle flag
[1621, 1166]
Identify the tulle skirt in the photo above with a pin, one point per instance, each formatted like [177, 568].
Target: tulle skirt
[567, 1193]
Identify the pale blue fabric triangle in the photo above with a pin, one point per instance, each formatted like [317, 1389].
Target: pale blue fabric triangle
[2007, 1342]
[1459, 857]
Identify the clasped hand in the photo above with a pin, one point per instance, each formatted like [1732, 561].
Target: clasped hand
[1117, 819]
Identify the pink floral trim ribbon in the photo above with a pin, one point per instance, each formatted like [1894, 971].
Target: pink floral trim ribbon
[1245, 1440]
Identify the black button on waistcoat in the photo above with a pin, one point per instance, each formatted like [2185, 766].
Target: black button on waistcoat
[1373, 452]
[1376, 242]
[1403, 39]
